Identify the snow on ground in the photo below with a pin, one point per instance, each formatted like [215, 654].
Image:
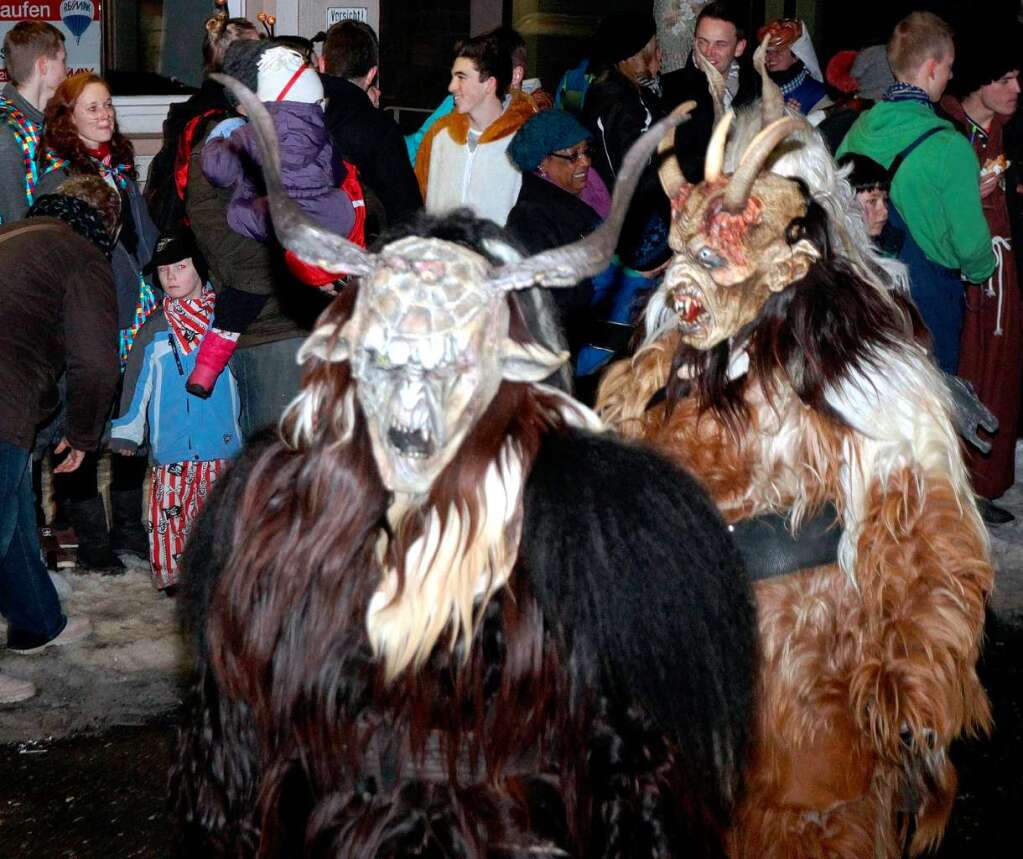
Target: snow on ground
[135, 666]
[131, 669]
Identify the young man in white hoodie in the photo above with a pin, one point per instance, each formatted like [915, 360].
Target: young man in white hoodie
[462, 161]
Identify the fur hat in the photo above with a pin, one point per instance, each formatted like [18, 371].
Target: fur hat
[622, 35]
[984, 57]
[284, 75]
[542, 134]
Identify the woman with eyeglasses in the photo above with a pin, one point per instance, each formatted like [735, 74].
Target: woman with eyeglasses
[562, 199]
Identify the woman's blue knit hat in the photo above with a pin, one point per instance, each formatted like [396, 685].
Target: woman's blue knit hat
[542, 134]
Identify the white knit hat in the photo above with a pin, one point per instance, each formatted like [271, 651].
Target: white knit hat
[285, 76]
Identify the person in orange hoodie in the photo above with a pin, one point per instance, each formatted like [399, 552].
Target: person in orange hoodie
[462, 161]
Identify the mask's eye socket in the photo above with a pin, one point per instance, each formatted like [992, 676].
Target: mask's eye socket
[378, 360]
[708, 259]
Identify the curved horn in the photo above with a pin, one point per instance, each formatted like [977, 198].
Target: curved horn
[670, 173]
[753, 160]
[715, 83]
[295, 229]
[772, 102]
[567, 265]
[715, 161]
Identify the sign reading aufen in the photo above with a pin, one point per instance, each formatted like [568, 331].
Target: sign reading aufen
[78, 20]
[347, 13]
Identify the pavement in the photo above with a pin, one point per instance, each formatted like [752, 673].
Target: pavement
[134, 669]
[1007, 549]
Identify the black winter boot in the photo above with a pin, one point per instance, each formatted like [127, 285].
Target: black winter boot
[126, 532]
[89, 519]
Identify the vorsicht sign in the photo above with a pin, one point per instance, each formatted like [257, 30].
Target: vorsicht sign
[78, 20]
[343, 13]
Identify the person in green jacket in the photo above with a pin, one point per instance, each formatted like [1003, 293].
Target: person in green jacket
[935, 179]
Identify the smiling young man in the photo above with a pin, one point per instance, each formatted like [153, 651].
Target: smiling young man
[462, 160]
[34, 55]
[984, 95]
[720, 36]
[935, 187]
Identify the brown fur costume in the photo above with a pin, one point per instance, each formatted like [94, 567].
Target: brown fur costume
[599, 706]
[792, 382]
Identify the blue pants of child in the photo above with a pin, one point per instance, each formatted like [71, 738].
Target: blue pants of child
[28, 599]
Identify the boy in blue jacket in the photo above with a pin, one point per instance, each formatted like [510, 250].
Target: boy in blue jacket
[190, 439]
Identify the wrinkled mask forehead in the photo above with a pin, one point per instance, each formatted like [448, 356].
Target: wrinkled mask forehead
[424, 286]
[426, 345]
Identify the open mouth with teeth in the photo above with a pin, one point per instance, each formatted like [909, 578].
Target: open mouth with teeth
[689, 309]
[413, 443]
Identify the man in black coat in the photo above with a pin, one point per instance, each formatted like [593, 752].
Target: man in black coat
[720, 36]
[363, 134]
[621, 104]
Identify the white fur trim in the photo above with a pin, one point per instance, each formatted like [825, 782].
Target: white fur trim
[450, 571]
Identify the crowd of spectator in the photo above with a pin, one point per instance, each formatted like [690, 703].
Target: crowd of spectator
[164, 325]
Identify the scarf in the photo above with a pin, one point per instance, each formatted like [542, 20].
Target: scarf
[77, 214]
[792, 78]
[899, 91]
[26, 134]
[189, 318]
[595, 194]
[144, 305]
[117, 174]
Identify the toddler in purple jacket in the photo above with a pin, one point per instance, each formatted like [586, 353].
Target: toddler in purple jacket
[311, 172]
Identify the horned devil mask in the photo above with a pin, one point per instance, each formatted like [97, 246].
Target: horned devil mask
[428, 341]
[732, 238]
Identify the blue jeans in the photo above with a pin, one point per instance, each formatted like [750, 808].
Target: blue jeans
[28, 599]
[268, 378]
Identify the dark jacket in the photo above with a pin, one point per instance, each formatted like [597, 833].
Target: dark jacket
[161, 194]
[617, 112]
[545, 217]
[691, 139]
[373, 142]
[58, 314]
[311, 171]
[247, 265]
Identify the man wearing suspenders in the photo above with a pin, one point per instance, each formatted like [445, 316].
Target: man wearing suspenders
[935, 185]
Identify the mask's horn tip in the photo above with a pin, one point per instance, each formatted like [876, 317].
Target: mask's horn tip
[681, 113]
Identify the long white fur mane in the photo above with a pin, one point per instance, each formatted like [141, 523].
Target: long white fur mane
[456, 566]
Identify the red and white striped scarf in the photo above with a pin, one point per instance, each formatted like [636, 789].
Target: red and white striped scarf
[189, 318]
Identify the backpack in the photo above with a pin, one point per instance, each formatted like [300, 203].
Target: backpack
[165, 187]
[314, 275]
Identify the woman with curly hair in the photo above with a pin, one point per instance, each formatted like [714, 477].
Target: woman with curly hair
[81, 138]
